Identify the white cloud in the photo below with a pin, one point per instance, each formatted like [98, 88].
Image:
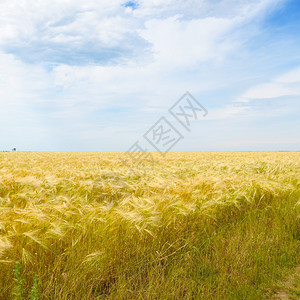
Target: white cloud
[81, 32]
[270, 90]
[287, 84]
[53, 31]
[179, 43]
[227, 112]
[176, 43]
[193, 9]
[72, 58]
[292, 76]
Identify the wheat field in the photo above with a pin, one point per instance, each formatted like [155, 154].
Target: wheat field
[195, 225]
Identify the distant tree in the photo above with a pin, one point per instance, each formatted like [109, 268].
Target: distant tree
[14, 149]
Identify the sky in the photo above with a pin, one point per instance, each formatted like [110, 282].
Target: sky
[98, 75]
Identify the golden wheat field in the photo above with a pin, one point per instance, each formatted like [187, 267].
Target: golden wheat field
[195, 225]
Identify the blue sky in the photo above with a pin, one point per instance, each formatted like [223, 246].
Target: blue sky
[96, 75]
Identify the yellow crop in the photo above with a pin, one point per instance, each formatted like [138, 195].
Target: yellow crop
[193, 225]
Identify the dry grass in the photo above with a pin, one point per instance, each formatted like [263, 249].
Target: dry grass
[195, 226]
